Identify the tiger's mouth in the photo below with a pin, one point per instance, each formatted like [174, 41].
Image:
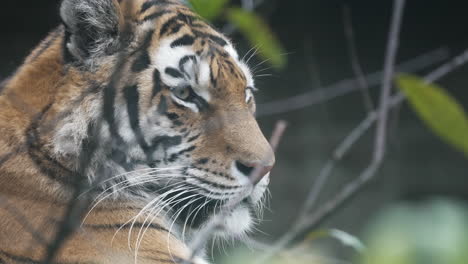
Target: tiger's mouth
[195, 209]
[191, 210]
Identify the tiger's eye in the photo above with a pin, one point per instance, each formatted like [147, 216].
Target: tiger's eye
[182, 92]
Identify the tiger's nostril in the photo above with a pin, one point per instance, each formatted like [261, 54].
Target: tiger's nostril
[247, 170]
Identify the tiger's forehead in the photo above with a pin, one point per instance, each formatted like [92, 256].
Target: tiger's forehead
[187, 51]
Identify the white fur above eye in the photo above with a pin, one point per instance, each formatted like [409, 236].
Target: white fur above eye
[190, 106]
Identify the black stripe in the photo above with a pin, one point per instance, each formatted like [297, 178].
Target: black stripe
[219, 40]
[48, 42]
[183, 61]
[166, 142]
[185, 40]
[109, 110]
[207, 189]
[176, 28]
[213, 81]
[193, 138]
[157, 83]
[165, 27]
[133, 98]
[66, 54]
[173, 22]
[162, 106]
[176, 155]
[48, 165]
[172, 116]
[155, 15]
[143, 61]
[217, 185]
[149, 4]
[174, 72]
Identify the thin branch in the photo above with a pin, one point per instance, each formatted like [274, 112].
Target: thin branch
[313, 220]
[389, 72]
[304, 221]
[347, 86]
[354, 58]
[365, 125]
[249, 5]
[447, 68]
[217, 221]
[22, 220]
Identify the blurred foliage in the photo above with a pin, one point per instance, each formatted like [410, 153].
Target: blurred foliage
[308, 251]
[433, 233]
[438, 109]
[208, 9]
[297, 255]
[249, 24]
[259, 34]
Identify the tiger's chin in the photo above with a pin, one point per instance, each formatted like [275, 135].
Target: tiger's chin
[237, 224]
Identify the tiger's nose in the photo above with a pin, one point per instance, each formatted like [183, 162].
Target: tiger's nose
[248, 170]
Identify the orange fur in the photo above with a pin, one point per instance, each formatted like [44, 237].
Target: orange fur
[32, 102]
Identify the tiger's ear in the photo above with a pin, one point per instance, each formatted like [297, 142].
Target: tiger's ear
[93, 27]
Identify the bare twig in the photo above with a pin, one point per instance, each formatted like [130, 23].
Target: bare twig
[354, 58]
[304, 221]
[347, 86]
[389, 71]
[22, 220]
[249, 4]
[311, 221]
[216, 222]
[447, 68]
[364, 126]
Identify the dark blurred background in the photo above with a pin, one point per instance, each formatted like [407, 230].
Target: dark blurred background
[418, 167]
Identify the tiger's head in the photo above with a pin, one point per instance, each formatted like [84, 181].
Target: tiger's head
[168, 105]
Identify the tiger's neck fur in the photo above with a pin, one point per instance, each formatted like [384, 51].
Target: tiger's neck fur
[38, 199]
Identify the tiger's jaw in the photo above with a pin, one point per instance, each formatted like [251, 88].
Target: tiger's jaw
[195, 211]
[241, 220]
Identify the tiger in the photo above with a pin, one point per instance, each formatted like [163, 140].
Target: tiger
[140, 114]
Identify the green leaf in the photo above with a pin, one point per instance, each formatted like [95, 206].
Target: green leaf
[439, 110]
[208, 9]
[259, 34]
